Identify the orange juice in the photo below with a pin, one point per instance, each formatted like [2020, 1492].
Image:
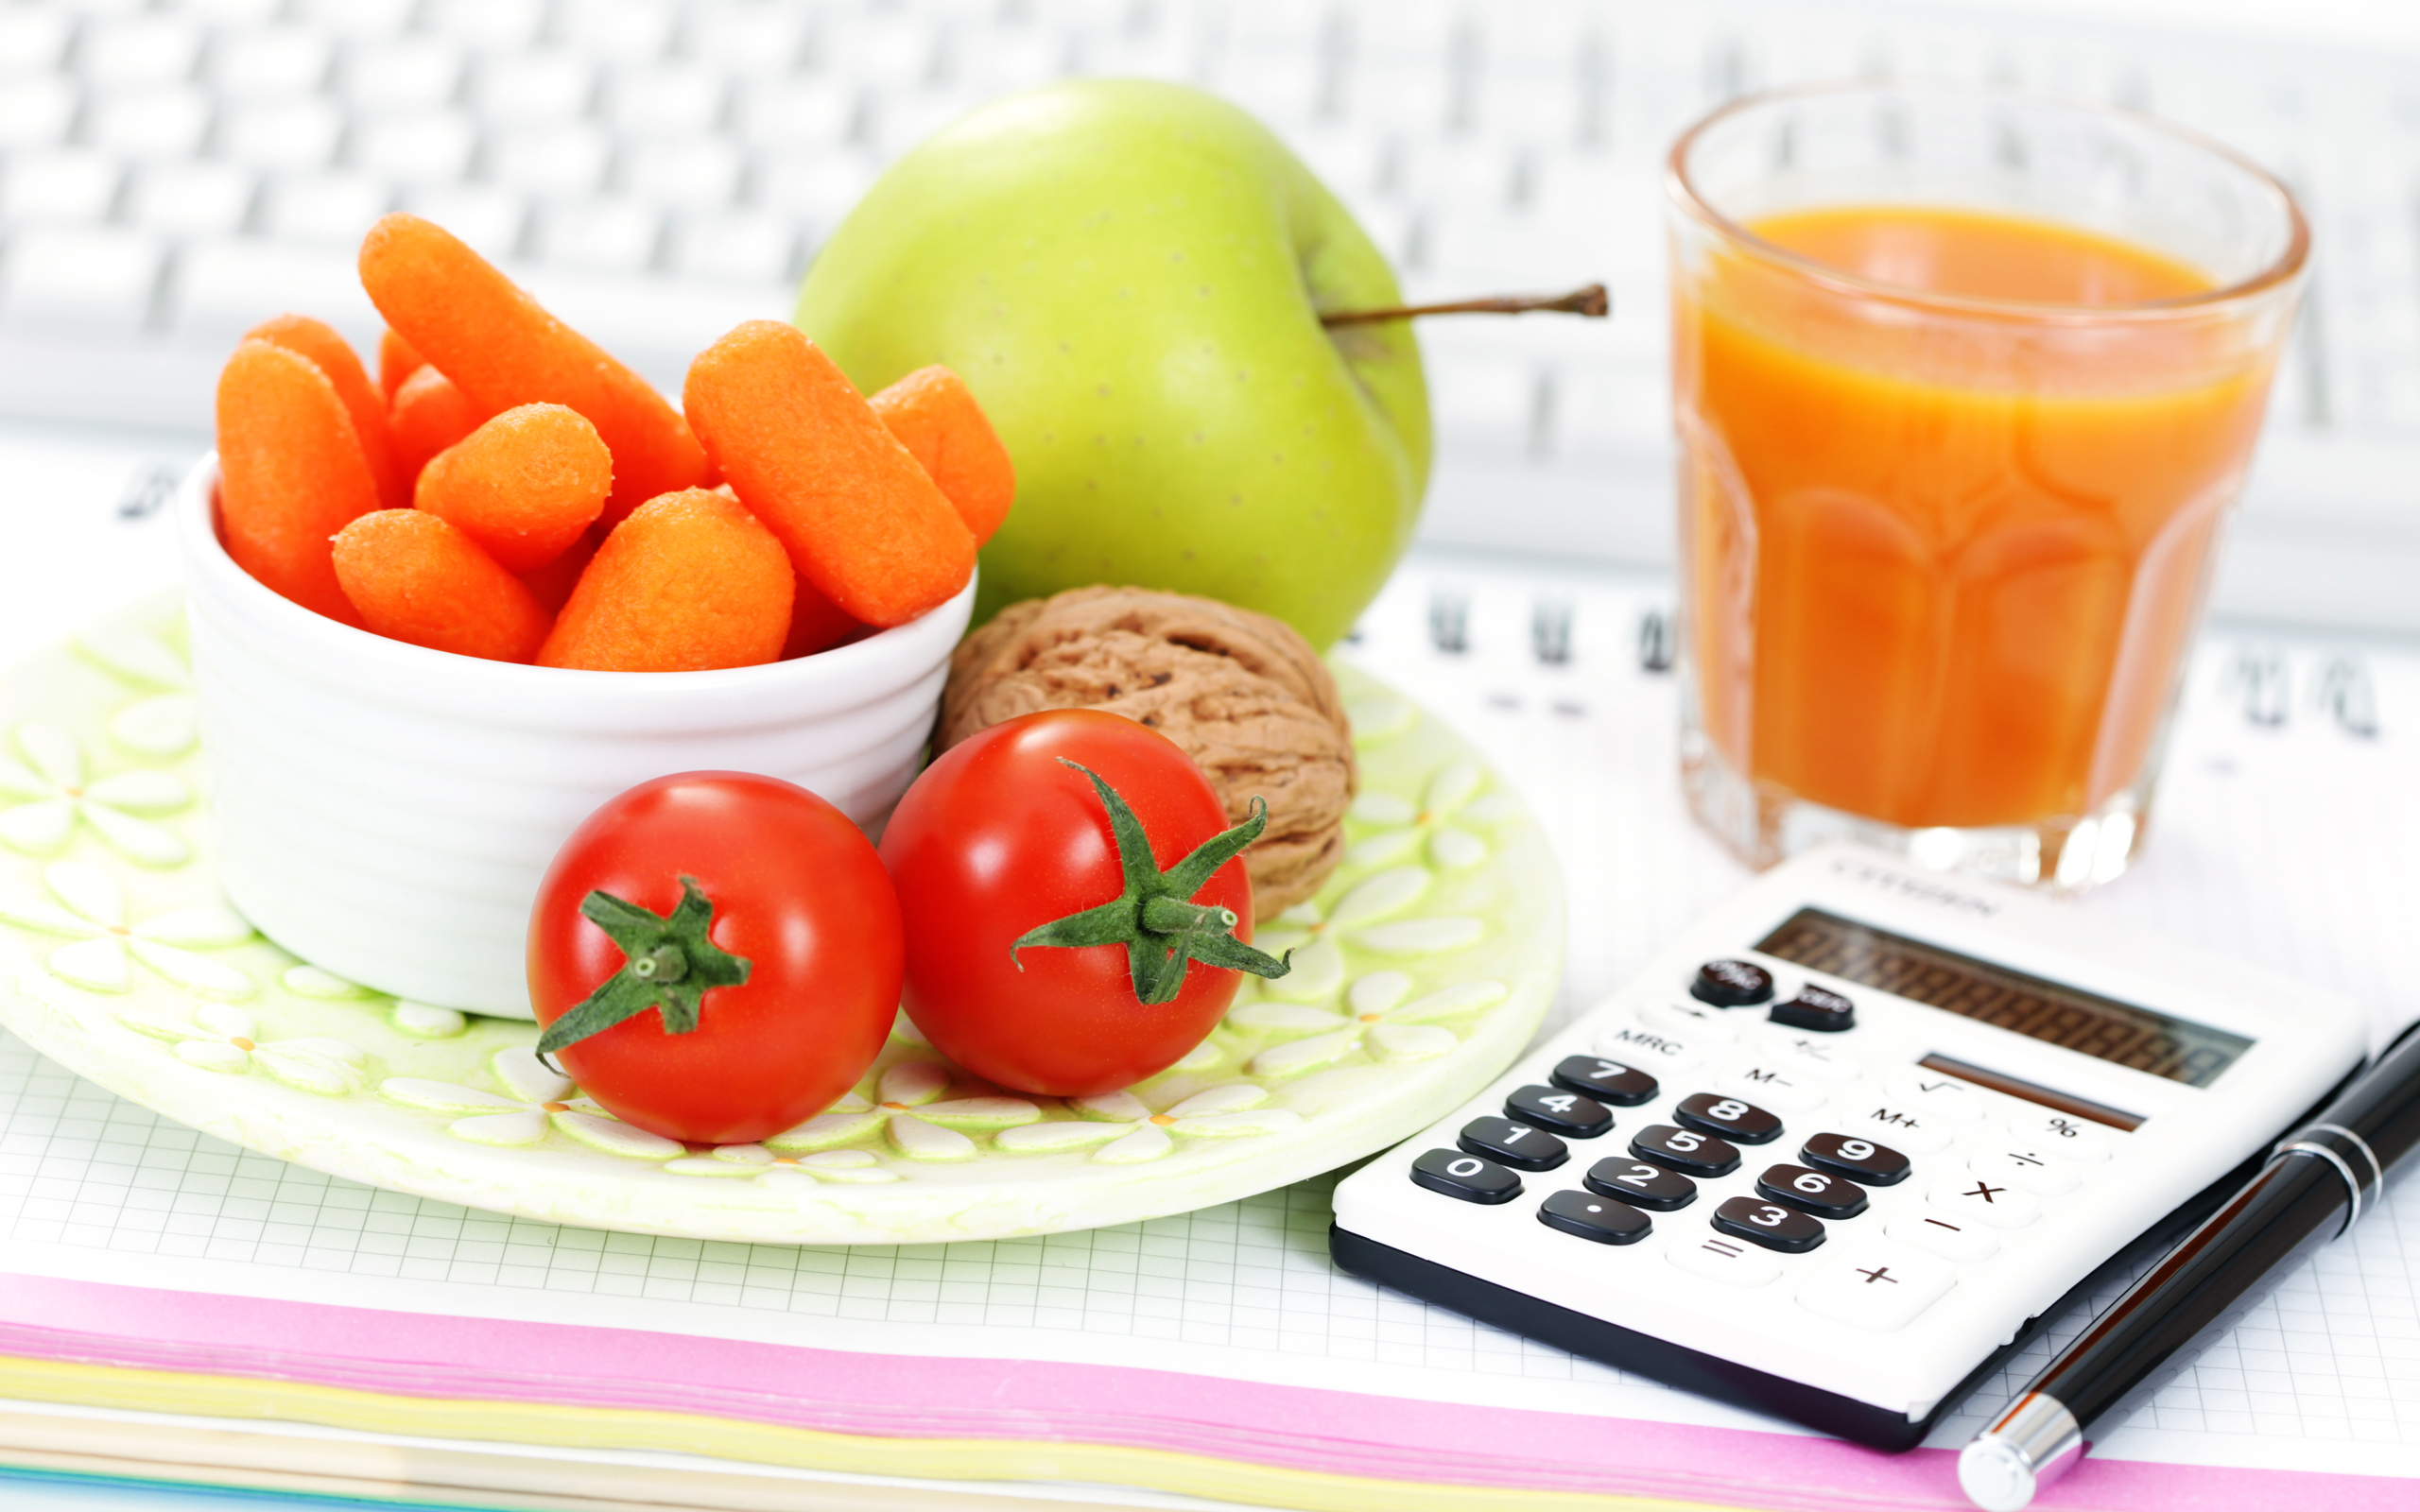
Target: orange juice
[1946, 547]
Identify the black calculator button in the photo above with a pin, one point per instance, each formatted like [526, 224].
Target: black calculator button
[1639, 1184]
[1769, 1224]
[1731, 1117]
[1515, 1144]
[1460, 1174]
[1816, 1009]
[1859, 1160]
[1825, 1196]
[1732, 984]
[1559, 1112]
[1608, 1081]
[1685, 1150]
[1594, 1217]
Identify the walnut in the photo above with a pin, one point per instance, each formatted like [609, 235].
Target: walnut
[1243, 693]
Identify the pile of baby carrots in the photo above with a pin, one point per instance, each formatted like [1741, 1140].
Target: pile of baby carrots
[507, 489]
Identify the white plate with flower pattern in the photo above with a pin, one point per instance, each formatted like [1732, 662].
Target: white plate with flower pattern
[1421, 969]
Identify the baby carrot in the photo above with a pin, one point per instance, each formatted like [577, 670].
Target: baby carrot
[333, 357]
[524, 484]
[292, 473]
[816, 624]
[690, 581]
[807, 456]
[397, 361]
[944, 429]
[501, 348]
[429, 415]
[417, 578]
[551, 584]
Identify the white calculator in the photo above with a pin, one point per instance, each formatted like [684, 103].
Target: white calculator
[1848, 1142]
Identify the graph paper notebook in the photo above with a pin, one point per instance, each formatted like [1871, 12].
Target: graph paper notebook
[1218, 1353]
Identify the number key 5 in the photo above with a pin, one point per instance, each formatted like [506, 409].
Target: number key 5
[1686, 1150]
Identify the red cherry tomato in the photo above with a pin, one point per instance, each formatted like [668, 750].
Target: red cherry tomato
[795, 890]
[1000, 835]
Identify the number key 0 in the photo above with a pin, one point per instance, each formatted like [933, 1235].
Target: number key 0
[1559, 1112]
[1685, 1150]
[1466, 1176]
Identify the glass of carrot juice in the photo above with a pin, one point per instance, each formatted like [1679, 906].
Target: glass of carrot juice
[1968, 382]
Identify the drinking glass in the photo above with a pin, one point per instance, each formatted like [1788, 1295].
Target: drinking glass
[1944, 552]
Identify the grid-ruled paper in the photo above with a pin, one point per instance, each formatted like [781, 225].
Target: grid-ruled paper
[2281, 836]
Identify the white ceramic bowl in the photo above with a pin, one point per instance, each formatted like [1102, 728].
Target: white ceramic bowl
[387, 811]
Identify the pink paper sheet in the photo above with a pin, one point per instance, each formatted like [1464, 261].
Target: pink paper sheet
[833, 1391]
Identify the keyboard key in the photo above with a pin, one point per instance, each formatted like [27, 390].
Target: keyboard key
[139, 51]
[1559, 1112]
[266, 64]
[1694, 1019]
[34, 112]
[161, 124]
[58, 188]
[2073, 1138]
[1812, 1192]
[1771, 1087]
[289, 136]
[697, 174]
[1514, 1145]
[1769, 1224]
[1938, 1234]
[1979, 1199]
[82, 283]
[1732, 1117]
[1685, 1150]
[489, 220]
[192, 198]
[742, 246]
[1723, 1260]
[1944, 1096]
[1466, 1176]
[403, 75]
[230, 286]
[534, 86]
[657, 104]
[604, 235]
[1639, 1184]
[1899, 1123]
[1879, 1288]
[1601, 1219]
[562, 160]
[332, 209]
[2032, 1170]
[1732, 984]
[1657, 1051]
[1608, 1081]
[1859, 1160]
[1815, 1057]
[1816, 1009]
[428, 147]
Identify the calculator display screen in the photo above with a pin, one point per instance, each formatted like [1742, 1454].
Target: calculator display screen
[2177, 1049]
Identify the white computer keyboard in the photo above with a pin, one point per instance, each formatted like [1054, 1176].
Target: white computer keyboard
[173, 171]
[1844, 1141]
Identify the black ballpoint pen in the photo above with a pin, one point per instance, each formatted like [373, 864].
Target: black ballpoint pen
[2316, 1185]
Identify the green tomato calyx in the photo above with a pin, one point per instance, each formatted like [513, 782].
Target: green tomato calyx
[670, 966]
[1163, 931]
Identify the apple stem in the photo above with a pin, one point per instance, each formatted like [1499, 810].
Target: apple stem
[1591, 301]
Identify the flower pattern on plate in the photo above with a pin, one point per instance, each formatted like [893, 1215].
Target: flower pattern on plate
[1128, 1132]
[535, 1097]
[1393, 1030]
[92, 906]
[50, 794]
[224, 1038]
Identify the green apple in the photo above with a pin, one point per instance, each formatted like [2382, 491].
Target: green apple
[1129, 276]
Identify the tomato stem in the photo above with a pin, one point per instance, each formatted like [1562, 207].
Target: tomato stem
[670, 965]
[1155, 918]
